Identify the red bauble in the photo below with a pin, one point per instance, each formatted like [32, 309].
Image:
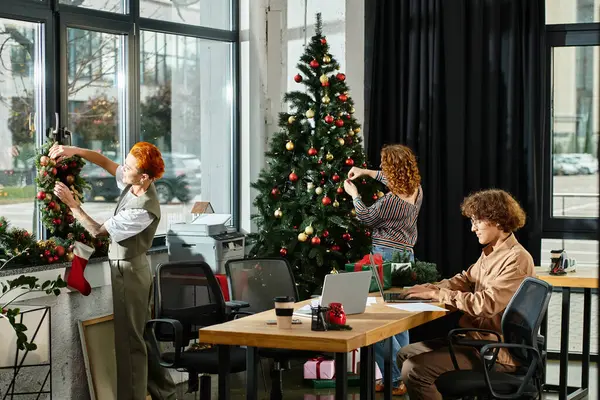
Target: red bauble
[64, 167]
[364, 164]
[55, 258]
[51, 204]
[347, 237]
[325, 233]
[328, 119]
[70, 219]
[293, 177]
[323, 40]
[322, 173]
[339, 123]
[348, 116]
[325, 84]
[41, 195]
[73, 164]
[367, 233]
[314, 64]
[343, 97]
[315, 241]
[47, 253]
[349, 140]
[335, 247]
[340, 190]
[364, 182]
[50, 260]
[326, 201]
[312, 151]
[298, 78]
[275, 192]
[335, 178]
[340, 76]
[283, 252]
[349, 161]
[320, 161]
[375, 197]
[54, 171]
[60, 251]
[322, 181]
[56, 221]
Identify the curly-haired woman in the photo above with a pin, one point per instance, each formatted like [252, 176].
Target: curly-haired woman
[482, 292]
[393, 219]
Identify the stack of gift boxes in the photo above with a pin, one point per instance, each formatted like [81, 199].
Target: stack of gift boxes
[320, 372]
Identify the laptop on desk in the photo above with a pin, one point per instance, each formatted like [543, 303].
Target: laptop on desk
[391, 297]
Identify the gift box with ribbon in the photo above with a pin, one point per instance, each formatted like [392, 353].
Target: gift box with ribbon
[319, 368]
[319, 397]
[384, 270]
[354, 364]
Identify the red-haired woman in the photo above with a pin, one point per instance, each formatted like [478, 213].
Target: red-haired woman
[393, 219]
[131, 229]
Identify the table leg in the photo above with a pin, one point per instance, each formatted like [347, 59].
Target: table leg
[367, 373]
[387, 369]
[224, 368]
[563, 391]
[251, 373]
[341, 375]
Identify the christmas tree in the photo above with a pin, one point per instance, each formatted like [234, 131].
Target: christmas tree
[304, 214]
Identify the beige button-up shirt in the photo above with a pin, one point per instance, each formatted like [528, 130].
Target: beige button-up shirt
[484, 290]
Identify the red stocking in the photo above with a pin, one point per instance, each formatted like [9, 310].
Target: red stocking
[75, 277]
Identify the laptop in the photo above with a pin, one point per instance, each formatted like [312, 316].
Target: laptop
[392, 297]
[349, 288]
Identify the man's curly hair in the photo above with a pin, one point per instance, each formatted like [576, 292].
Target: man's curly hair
[399, 165]
[495, 206]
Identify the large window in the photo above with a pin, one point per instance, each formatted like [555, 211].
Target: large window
[21, 112]
[117, 72]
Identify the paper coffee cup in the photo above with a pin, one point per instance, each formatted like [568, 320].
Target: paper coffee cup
[284, 309]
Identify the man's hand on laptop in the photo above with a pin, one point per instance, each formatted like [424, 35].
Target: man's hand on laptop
[426, 292]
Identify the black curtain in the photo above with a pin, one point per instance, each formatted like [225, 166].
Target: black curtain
[462, 83]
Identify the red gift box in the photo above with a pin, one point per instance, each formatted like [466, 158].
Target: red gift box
[319, 397]
[366, 261]
[319, 368]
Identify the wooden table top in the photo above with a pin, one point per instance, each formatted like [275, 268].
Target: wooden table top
[378, 322]
[583, 277]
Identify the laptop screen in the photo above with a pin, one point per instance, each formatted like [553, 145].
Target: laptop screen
[375, 273]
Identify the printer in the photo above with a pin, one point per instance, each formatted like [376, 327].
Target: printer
[205, 238]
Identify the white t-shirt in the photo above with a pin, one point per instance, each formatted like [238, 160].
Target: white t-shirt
[129, 222]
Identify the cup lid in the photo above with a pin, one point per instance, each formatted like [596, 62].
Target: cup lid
[283, 299]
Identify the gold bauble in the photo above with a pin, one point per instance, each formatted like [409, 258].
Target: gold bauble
[310, 186]
[336, 204]
[326, 59]
[291, 119]
[70, 256]
[310, 113]
[329, 156]
[319, 190]
[289, 145]
[350, 132]
[302, 237]
[278, 213]
[352, 110]
[341, 141]
[356, 130]
[380, 194]
[325, 99]
[309, 230]
[353, 212]
[323, 78]
[333, 271]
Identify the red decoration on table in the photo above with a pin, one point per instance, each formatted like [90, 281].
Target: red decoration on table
[336, 314]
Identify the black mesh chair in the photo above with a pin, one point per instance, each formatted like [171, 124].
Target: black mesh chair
[257, 281]
[520, 325]
[188, 297]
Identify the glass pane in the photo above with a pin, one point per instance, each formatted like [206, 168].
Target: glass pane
[96, 117]
[187, 110]
[21, 112]
[116, 6]
[209, 13]
[572, 11]
[575, 105]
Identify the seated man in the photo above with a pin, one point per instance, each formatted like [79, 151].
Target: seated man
[482, 293]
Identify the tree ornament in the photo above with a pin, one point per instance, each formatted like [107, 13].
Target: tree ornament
[328, 119]
[309, 230]
[375, 196]
[310, 186]
[357, 129]
[347, 237]
[278, 213]
[349, 161]
[340, 77]
[70, 256]
[368, 233]
[325, 84]
[352, 110]
[302, 237]
[322, 181]
[326, 59]
[329, 156]
[44, 160]
[314, 64]
[323, 40]
[364, 182]
[320, 161]
[341, 141]
[291, 119]
[353, 212]
[64, 167]
[325, 99]
[364, 165]
[54, 171]
[335, 247]
[293, 177]
[312, 151]
[339, 123]
[298, 78]
[326, 201]
[323, 78]
[315, 241]
[336, 204]
[335, 178]
[319, 190]
[283, 252]
[350, 132]
[325, 233]
[70, 179]
[340, 190]
[41, 195]
[343, 97]
[51, 205]
[275, 192]
[289, 145]
[380, 194]
[310, 113]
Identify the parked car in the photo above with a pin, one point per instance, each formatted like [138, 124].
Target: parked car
[181, 182]
[574, 164]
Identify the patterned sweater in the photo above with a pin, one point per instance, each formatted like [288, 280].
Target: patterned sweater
[392, 219]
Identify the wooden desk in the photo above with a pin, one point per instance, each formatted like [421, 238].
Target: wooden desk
[586, 279]
[378, 322]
